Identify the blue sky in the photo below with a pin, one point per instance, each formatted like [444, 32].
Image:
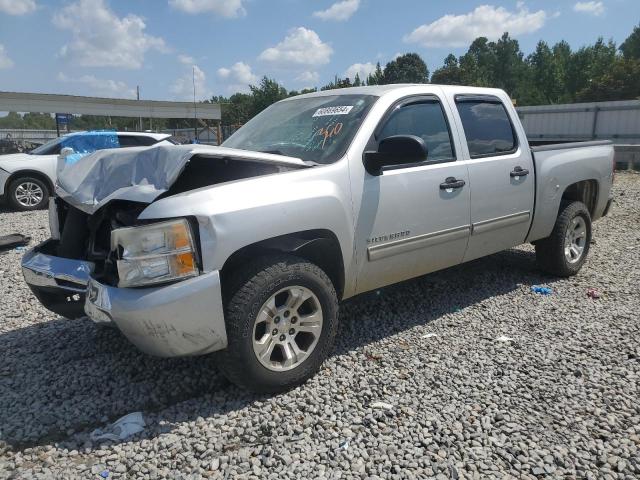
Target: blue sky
[107, 47]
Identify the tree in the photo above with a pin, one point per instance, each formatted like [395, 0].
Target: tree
[267, 92]
[338, 83]
[449, 74]
[562, 59]
[509, 69]
[38, 121]
[12, 120]
[544, 73]
[621, 82]
[630, 48]
[376, 77]
[590, 64]
[407, 68]
[477, 64]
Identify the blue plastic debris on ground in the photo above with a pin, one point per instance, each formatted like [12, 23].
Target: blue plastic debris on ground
[541, 290]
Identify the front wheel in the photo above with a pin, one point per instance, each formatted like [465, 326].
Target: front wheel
[27, 193]
[564, 251]
[281, 320]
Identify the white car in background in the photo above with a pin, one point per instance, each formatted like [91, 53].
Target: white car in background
[27, 179]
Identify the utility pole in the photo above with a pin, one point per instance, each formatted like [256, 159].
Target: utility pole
[195, 111]
[140, 118]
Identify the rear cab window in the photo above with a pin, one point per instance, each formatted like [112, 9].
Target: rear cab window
[487, 126]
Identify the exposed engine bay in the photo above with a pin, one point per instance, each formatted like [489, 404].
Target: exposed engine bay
[108, 193]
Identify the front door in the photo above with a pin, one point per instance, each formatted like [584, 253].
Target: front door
[411, 221]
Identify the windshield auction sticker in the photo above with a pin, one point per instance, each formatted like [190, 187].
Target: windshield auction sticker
[337, 110]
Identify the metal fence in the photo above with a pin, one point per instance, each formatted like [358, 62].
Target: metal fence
[33, 136]
[616, 121]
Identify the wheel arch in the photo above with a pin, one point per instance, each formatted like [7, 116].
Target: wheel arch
[320, 247]
[585, 191]
[32, 173]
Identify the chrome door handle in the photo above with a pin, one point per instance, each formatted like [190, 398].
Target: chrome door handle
[452, 182]
[519, 172]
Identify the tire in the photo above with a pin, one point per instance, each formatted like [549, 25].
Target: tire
[551, 253]
[27, 193]
[277, 278]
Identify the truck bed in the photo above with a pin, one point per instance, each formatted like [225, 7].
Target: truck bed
[557, 166]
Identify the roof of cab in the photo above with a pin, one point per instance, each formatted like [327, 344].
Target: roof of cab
[380, 90]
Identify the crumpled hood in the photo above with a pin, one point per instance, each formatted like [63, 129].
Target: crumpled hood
[141, 174]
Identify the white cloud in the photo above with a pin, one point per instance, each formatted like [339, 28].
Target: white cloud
[301, 47]
[592, 8]
[224, 8]
[102, 39]
[183, 87]
[485, 21]
[17, 7]
[100, 86]
[308, 77]
[238, 77]
[5, 61]
[362, 69]
[186, 59]
[239, 72]
[339, 11]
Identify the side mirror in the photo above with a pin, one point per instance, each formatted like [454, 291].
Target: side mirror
[66, 151]
[395, 150]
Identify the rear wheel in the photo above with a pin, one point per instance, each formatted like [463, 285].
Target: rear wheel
[564, 252]
[27, 193]
[281, 318]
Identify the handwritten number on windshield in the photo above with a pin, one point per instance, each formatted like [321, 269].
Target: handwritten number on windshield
[329, 132]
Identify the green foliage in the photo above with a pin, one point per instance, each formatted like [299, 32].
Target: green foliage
[376, 77]
[407, 68]
[550, 74]
[267, 92]
[449, 74]
[630, 48]
[337, 83]
[545, 74]
[620, 82]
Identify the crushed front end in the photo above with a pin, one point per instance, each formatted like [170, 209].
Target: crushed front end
[146, 277]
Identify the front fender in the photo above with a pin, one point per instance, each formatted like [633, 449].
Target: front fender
[234, 215]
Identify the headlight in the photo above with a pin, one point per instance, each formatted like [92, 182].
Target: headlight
[155, 253]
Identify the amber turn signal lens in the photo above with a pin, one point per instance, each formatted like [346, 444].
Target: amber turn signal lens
[185, 263]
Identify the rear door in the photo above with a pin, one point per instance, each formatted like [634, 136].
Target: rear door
[501, 174]
[410, 223]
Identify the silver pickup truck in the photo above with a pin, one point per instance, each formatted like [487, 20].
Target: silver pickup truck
[247, 249]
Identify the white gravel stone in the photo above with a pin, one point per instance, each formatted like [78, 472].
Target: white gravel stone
[559, 400]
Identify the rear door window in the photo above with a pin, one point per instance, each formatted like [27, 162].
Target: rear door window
[487, 127]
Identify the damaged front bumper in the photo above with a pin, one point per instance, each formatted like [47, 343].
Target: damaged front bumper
[183, 318]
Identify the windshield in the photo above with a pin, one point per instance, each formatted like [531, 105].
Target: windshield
[52, 147]
[315, 129]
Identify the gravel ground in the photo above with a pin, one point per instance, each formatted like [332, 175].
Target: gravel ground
[464, 373]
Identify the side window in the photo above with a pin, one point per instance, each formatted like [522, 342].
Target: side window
[487, 127]
[128, 141]
[146, 141]
[426, 120]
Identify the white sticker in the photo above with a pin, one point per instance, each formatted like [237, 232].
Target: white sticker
[328, 111]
